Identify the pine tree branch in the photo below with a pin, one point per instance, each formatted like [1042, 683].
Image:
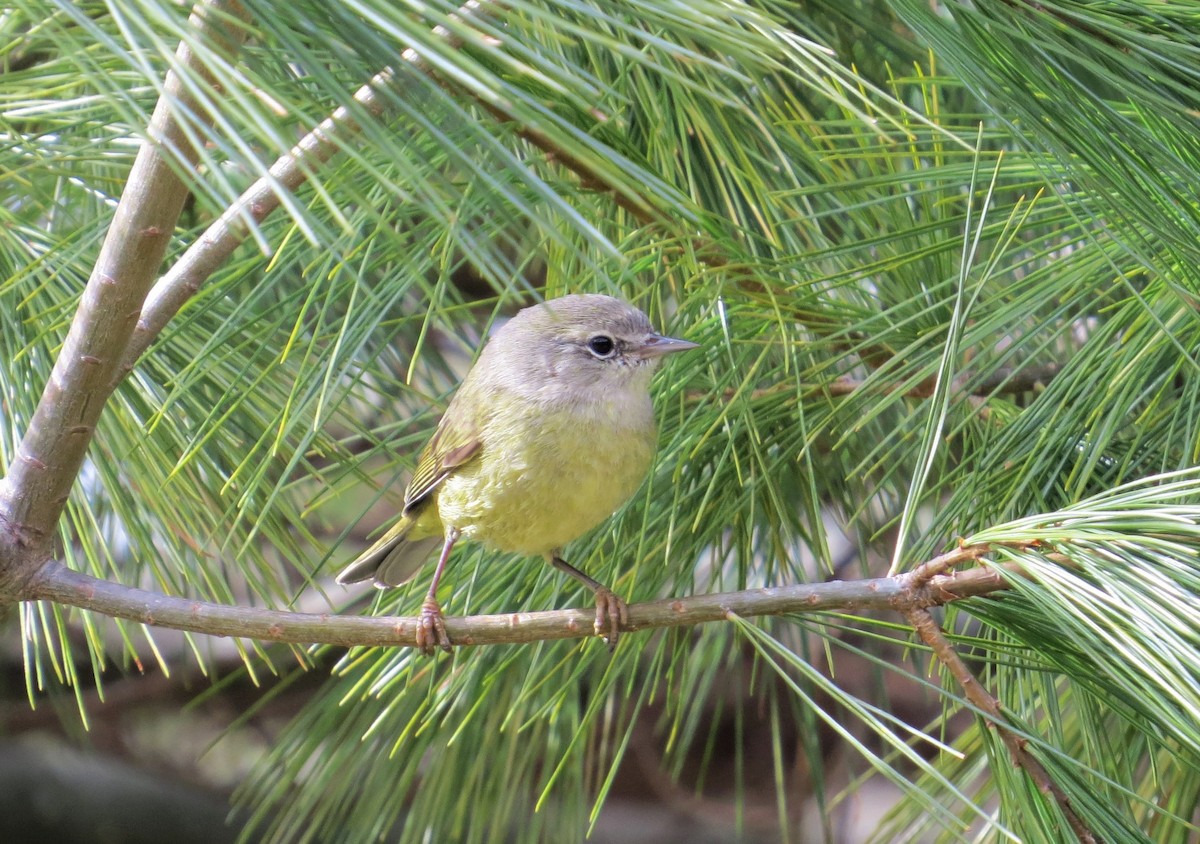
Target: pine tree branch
[55, 582]
[260, 200]
[1005, 380]
[589, 178]
[931, 632]
[121, 314]
[35, 489]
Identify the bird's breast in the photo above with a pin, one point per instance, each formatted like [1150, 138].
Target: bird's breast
[546, 474]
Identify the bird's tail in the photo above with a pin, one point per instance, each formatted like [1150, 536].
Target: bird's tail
[393, 559]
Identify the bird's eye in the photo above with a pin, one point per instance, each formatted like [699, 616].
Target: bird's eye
[601, 346]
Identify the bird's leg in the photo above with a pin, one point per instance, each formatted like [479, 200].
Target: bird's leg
[611, 611]
[431, 626]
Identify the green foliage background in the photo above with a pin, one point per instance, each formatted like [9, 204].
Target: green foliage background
[924, 200]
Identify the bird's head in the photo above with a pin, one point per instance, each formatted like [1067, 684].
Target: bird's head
[583, 344]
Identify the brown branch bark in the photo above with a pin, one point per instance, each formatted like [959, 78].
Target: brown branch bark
[923, 574]
[257, 202]
[57, 583]
[931, 633]
[47, 462]
[120, 314]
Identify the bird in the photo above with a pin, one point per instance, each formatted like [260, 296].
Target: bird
[551, 431]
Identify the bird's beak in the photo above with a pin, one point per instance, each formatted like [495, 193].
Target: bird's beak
[657, 345]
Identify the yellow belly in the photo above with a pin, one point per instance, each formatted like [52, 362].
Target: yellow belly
[534, 494]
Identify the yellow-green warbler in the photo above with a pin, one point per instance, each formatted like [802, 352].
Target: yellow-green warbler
[550, 432]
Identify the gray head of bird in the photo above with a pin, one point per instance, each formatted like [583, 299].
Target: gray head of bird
[581, 343]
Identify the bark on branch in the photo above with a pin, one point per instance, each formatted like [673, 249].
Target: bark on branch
[931, 632]
[35, 488]
[258, 201]
[57, 583]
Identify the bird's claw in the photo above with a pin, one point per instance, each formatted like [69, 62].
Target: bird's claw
[431, 628]
[611, 615]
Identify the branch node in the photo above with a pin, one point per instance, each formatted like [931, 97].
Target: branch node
[30, 460]
[22, 535]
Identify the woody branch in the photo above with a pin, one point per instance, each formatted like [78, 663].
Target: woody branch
[46, 465]
[58, 583]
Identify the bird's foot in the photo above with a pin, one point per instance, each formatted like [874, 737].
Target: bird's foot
[611, 614]
[431, 628]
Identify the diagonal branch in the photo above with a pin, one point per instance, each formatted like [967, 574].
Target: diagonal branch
[56, 582]
[47, 462]
[931, 632]
[260, 200]
[589, 178]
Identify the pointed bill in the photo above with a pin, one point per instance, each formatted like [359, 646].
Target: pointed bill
[657, 345]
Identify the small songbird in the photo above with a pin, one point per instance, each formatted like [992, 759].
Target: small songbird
[550, 432]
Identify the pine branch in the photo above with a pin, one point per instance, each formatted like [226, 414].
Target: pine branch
[589, 178]
[120, 314]
[1008, 380]
[931, 632]
[926, 577]
[55, 582]
[257, 202]
[47, 462]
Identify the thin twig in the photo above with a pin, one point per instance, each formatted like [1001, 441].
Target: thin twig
[1000, 381]
[644, 212]
[57, 583]
[47, 462]
[931, 632]
[928, 570]
[290, 171]
[589, 178]
[1006, 380]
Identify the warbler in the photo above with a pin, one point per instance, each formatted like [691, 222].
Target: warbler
[550, 432]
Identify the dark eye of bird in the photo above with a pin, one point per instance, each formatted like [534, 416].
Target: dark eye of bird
[601, 346]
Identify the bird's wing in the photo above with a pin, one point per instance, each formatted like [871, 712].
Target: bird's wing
[453, 445]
